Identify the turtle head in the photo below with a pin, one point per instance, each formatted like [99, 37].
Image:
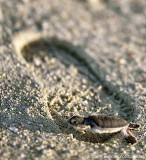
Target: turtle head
[76, 120]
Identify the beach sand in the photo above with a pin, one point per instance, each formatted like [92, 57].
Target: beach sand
[65, 58]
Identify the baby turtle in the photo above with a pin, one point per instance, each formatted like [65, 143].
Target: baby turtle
[106, 124]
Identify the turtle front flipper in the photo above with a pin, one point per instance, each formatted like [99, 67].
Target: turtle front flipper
[134, 126]
[131, 139]
[128, 136]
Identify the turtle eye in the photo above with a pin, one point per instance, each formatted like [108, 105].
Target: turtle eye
[74, 121]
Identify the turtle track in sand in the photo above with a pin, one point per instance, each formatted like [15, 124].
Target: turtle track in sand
[75, 78]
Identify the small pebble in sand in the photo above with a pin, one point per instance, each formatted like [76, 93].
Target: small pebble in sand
[13, 129]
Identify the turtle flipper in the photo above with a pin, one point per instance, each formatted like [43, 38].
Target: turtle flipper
[133, 126]
[128, 136]
[130, 139]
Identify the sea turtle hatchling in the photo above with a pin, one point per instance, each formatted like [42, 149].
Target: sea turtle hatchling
[106, 124]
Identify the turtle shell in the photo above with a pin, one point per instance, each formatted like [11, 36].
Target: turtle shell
[108, 121]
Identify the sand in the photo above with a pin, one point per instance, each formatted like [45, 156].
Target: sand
[65, 58]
